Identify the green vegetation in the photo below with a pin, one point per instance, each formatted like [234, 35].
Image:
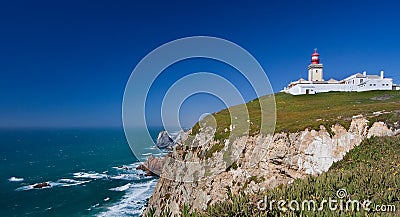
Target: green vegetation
[296, 113]
[368, 172]
[232, 166]
[215, 148]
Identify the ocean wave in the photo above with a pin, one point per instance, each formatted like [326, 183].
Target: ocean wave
[89, 175]
[123, 167]
[160, 154]
[50, 184]
[15, 179]
[93, 206]
[122, 188]
[71, 182]
[134, 200]
[128, 176]
[128, 167]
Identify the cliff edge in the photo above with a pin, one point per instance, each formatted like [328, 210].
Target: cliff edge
[289, 156]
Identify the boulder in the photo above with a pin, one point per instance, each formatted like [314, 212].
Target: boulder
[152, 166]
[164, 140]
[41, 185]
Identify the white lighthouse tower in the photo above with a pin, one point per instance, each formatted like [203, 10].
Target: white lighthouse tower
[315, 69]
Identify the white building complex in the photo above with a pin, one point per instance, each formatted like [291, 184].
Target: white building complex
[357, 82]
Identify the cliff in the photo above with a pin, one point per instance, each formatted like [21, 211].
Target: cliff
[311, 133]
[164, 140]
[265, 161]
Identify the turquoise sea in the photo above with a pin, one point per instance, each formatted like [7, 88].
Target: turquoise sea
[91, 172]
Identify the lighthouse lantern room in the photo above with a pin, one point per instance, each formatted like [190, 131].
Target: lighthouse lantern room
[315, 69]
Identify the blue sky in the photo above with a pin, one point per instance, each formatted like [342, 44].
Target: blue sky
[66, 63]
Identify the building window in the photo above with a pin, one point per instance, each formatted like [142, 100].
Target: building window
[374, 84]
[361, 80]
[370, 84]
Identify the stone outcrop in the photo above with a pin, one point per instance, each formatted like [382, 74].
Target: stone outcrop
[166, 141]
[259, 162]
[41, 185]
[153, 166]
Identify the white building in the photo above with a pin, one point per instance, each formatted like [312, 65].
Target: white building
[357, 82]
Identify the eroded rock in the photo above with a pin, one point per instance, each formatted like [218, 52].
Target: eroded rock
[262, 162]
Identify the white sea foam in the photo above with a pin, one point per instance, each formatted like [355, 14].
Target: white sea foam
[59, 183]
[124, 167]
[15, 179]
[30, 187]
[160, 154]
[132, 203]
[126, 177]
[121, 188]
[134, 165]
[71, 182]
[25, 188]
[128, 167]
[89, 175]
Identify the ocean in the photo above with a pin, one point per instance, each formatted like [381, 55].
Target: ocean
[91, 172]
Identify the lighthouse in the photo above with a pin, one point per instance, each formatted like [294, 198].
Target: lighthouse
[357, 82]
[315, 69]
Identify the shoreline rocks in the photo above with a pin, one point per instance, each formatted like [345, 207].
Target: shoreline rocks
[167, 141]
[153, 166]
[164, 140]
[41, 185]
[264, 161]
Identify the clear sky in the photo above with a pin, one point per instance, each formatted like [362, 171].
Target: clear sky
[66, 63]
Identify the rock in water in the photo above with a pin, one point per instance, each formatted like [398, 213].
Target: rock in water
[164, 141]
[152, 166]
[41, 185]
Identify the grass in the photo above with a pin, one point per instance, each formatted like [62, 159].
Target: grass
[296, 113]
[369, 171]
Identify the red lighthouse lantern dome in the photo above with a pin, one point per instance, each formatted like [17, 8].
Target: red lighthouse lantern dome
[315, 57]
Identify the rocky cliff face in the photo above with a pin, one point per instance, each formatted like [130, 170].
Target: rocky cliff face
[263, 162]
[153, 166]
[164, 140]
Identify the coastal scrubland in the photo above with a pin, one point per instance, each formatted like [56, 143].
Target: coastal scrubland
[370, 171]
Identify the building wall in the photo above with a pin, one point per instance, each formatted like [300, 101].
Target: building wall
[375, 84]
[315, 72]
